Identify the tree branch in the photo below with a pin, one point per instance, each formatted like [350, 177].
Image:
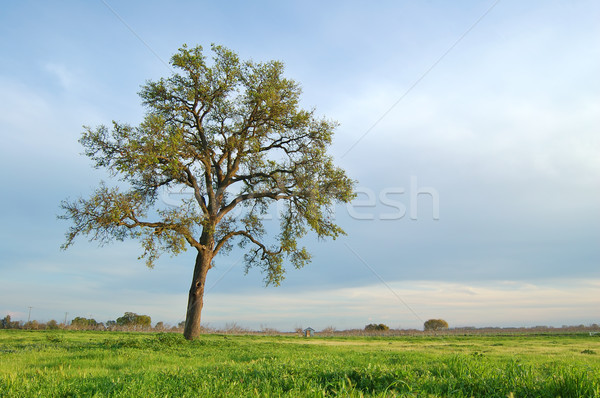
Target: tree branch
[258, 195]
[197, 194]
[247, 235]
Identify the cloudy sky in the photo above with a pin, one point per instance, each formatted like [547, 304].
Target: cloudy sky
[471, 128]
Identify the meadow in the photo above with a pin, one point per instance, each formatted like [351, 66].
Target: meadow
[118, 364]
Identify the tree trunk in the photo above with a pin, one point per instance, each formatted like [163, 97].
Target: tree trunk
[196, 296]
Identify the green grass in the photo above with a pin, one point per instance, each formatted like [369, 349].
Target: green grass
[86, 364]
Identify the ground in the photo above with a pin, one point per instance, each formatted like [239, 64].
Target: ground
[68, 363]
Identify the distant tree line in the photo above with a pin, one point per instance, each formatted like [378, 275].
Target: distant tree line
[7, 323]
[130, 321]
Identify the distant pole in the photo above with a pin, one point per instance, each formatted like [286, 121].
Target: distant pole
[29, 316]
[66, 313]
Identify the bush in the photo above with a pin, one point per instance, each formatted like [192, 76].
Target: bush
[435, 324]
[328, 331]
[373, 327]
[234, 328]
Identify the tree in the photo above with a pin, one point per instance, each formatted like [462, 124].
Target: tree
[83, 323]
[132, 319]
[32, 325]
[373, 327]
[52, 325]
[435, 324]
[233, 134]
[7, 323]
[144, 321]
[127, 319]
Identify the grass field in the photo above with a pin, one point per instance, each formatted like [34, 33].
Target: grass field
[73, 364]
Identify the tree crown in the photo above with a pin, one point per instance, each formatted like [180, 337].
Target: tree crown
[233, 134]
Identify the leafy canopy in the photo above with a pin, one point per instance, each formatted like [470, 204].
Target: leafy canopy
[435, 324]
[133, 319]
[232, 133]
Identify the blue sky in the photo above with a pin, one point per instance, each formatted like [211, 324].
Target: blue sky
[502, 129]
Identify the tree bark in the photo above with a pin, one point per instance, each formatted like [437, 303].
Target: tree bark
[196, 295]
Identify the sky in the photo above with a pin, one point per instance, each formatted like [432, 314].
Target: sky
[471, 128]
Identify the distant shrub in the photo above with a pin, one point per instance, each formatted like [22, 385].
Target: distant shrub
[373, 327]
[234, 328]
[435, 324]
[268, 330]
[328, 331]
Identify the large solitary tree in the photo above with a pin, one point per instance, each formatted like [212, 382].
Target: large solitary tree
[234, 135]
